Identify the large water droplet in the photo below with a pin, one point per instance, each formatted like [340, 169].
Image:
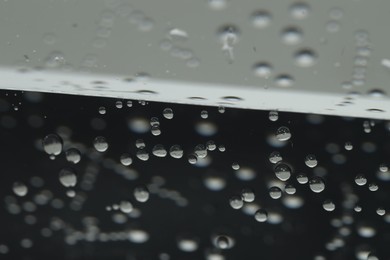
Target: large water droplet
[52, 144]
[68, 177]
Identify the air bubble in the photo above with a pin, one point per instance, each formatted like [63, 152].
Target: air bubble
[68, 177]
[283, 133]
[73, 155]
[236, 202]
[176, 151]
[261, 215]
[311, 161]
[141, 193]
[168, 113]
[52, 144]
[328, 205]
[275, 192]
[316, 184]
[20, 189]
[100, 144]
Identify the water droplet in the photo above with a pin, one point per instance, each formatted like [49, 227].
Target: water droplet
[284, 81]
[168, 113]
[221, 148]
[154, 121]
[52, 144]
[261, 215]
[275, 157]
[126, 159]
[204, 114]
[70, 193]
[125, 206]
[100, 144]
[316, 184]
[381, 211]
[302, 179]
[20, 189]
[141, 193]
[129, 103]
[214, 183]
[357, 208]
[235, 166]
[360, 180]
[372, 256]
[283, 172]
[373, 187]
[248, 195]
[138, 236]
[187, 244]
[262, 70]
[178, 34]
[211, 145]
[176, 151]
[292, 35]
[348, 146]
[55, 59]
[311, 161]
[283, 133]
[142, 154]
[140, 143]
[118, 104]
[366, 231]
[223, 242]
[275, 192]
[299, 10]
[200, 151]
[236, 202]
[221, 109]
[102, 110]
[192, 158]
[155, 130]
[273, 116]
[217, 4]
[159, 151]
[261, 19]
[328, 205]
[68, 177]
[73, 155]
[305, 58]
[290, 189]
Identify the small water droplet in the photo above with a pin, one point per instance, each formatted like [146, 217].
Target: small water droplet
[311, 161]
[373, 187]
[52, 144]
[221, 109]
[284, 81]
[235, 166]
[141, 193]
[142, 154]
[275, 193]
[273, 116]
[316, 184]
[360, 180]
[299, 10]
[381, 211]
[283, 133]
[248, 195]
[348, 146]
[204, 114]
[290, 189]
[118, 104]
[100, 144]
[125, 206]
[68, 177]
[176, 151]
[168, 113]
[200, 151]
[159, 151]
[305, 58]
[192, 158]
[261, 215]
[261, 19]
[302, 179]
[262, 70]
[223, 242]
[275, 157]
[292, 35]
[328, 205]
[126, 159]
[20, 189]
[236, 202]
